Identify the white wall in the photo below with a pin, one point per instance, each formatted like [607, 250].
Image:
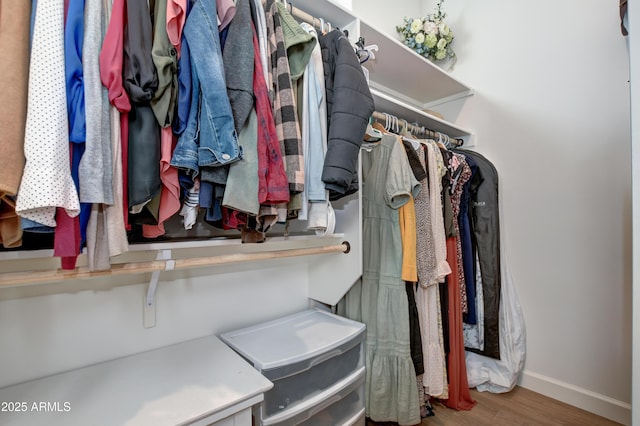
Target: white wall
[47, 334]
[634, 56]
[551, 110]
[386, 15]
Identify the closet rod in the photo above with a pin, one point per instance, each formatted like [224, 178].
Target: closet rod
[417, 130]
[25, 278]
[304, 16]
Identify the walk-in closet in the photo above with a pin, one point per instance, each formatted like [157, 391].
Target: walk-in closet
[315, 212]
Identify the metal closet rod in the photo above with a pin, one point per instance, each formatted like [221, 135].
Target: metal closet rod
[25, 278]
[415, 129]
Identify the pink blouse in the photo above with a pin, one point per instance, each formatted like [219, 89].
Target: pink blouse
[176, 17]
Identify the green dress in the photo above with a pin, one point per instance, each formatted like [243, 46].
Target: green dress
[380, 299]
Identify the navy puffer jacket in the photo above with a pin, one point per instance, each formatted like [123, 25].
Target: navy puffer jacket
[349, 107]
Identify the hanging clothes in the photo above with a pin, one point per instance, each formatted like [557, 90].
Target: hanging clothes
[14, 68]
[380, 301]
[165, 60]
[287, 124]
[111, 75]
[349, 106]
[440, 269]
[450, 217]
[210, 139]
[299, 45]
[273, 184]
[96, 167]
[459, 395]
[177, 13]
[315, 207]
[46, 180]
[141, 82]
[237, 59]
[486, 230]
[70, 233]
[97, 164]
[474, 333]
[226, 10]
[260, 23]
[163, 104]
[468, 255]
[427, 296]
[493, 375]
[485, 371]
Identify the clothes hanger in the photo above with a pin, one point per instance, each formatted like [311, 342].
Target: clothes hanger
[407, 136]
[390, 127]
[372, 134]
[447, 142]
[440, 141]
[405, 128]
[371, 49]
[378, 126]
[365, 52]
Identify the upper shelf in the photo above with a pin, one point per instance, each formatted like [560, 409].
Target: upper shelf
[397, 70]
[388, 104]
[402, 73]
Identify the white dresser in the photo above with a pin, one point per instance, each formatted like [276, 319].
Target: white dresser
[198, 382]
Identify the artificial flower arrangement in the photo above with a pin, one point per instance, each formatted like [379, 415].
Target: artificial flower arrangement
[430, 37]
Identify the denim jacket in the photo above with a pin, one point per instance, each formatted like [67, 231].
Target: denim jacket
[210, 138]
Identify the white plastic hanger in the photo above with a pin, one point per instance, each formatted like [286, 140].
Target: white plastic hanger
[371, 49]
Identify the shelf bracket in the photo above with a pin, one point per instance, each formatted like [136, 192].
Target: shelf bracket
[149, 310]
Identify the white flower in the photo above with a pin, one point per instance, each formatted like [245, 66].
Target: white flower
[430, 40]
[430, 27]
[444, 29]
[416, 24]
[429, 37]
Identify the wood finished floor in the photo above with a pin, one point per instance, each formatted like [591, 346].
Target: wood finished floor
[518, 407]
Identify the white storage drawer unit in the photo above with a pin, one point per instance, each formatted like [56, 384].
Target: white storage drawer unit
[303, 355]
[337, 406]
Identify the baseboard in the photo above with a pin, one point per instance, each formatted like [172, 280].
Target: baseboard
[593, 402]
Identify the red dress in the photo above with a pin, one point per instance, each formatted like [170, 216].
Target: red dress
[459, 395]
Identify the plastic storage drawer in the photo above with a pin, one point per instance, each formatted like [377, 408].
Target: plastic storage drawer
[303, 355]
[340, 405]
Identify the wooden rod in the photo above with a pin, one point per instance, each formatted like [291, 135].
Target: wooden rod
[25, 278]
[301, 15]
[226, 259]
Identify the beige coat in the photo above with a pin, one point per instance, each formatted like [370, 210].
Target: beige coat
[14, 69]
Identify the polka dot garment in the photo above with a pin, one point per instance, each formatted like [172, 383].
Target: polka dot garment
[46, 181]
